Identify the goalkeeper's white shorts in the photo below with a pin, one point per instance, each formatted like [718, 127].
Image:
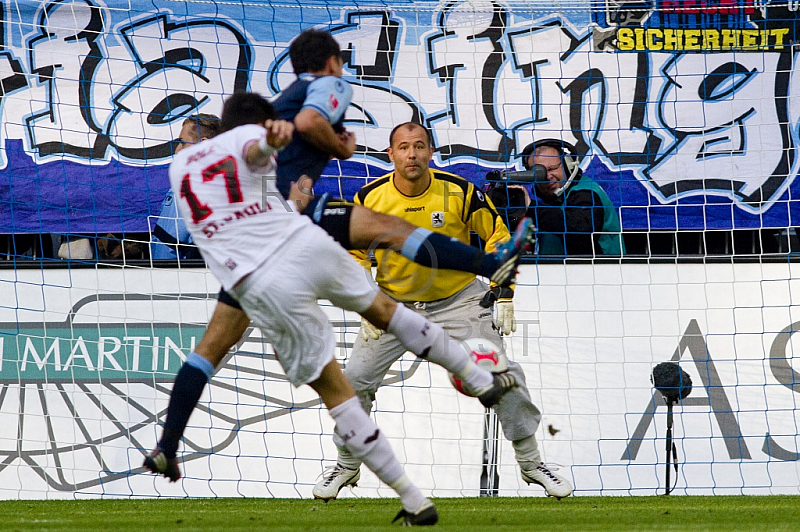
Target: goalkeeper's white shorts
[281, 295]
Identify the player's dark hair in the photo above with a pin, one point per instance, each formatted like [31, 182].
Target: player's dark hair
[311, 50]
[409, 126]
[206, 125]
[245, 108]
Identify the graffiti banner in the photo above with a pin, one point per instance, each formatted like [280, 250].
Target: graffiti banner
[687, 112]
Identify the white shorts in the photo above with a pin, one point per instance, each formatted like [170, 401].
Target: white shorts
[281, 295]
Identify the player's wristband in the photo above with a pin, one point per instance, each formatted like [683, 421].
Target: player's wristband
[495, 293]
[264, 147]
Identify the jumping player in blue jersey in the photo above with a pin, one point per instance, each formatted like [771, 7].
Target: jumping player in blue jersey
[317, 104]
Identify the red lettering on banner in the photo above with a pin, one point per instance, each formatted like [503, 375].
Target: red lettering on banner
[706, 7]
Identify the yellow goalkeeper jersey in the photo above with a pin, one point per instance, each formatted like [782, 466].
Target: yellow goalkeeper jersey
[451, 205]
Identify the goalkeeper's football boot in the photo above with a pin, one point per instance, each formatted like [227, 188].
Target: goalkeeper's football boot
[509, 253]
[334, 478]
[425, 516]
[555, 485]
[502, 383]
[158, 463]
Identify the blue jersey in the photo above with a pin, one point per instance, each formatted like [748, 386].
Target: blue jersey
[329, 96]
[170, 231]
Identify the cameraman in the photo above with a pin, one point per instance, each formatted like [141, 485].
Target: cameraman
[573, 214]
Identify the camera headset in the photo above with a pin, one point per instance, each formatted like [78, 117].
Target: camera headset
[570, 160]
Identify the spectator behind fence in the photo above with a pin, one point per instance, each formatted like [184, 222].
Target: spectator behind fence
[76, 247]
[108, 247]
[169, 238]
[573, 214]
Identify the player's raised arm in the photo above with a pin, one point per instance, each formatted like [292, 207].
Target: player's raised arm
[318, 131]
[278, 135]
[482, 218]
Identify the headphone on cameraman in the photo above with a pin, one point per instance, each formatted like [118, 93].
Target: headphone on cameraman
[570, 159]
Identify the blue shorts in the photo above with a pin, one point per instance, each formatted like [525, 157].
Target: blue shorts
[333, 215]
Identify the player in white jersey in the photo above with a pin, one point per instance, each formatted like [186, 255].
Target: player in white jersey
[231, 204]
[266, 255]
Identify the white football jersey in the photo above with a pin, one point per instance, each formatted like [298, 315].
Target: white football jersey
[234, 212]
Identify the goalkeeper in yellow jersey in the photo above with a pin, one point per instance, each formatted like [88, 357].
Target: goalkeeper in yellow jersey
[448, 204]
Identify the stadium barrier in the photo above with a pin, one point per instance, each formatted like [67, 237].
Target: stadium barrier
[88, 358]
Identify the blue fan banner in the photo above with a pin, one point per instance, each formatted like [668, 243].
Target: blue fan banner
[686, 112]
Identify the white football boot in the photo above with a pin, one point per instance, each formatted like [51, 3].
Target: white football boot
[555, 485]
[334, 478]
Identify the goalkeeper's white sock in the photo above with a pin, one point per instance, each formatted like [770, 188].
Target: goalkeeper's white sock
[364, 440]
[428, 340]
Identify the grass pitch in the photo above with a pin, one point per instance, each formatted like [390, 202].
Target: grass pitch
[574, 514]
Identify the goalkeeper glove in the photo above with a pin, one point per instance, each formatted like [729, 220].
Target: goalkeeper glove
[369, 331]
[504, 318]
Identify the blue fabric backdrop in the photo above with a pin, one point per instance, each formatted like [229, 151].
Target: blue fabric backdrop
[693, 137]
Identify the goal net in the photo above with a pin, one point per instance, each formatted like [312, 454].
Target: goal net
[684, 113]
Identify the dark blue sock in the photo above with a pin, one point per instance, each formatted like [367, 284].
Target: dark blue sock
[436, 250]
[188, 387]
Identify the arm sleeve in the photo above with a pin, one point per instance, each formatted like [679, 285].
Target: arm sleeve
[482, 218]
[584, 212]
[249, 135]
[584, 217]
[329, 96]
[360, 254]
